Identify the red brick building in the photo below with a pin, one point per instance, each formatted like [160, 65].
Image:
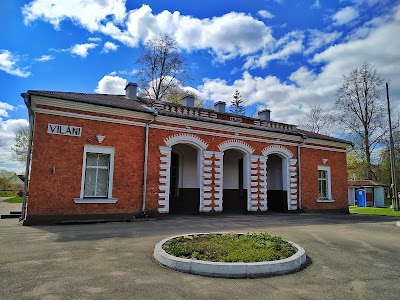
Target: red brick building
[115, 157]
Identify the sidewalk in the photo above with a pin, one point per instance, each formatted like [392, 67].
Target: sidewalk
[5, 207]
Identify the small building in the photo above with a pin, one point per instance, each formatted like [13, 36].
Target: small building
[366, 193]
[115, 157]
[15, 183]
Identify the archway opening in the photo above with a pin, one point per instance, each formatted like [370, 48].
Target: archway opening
[184, 193]
[234, 197]
[277, 183]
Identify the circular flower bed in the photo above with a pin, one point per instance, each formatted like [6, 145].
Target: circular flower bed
[230, 247]
[230, 254]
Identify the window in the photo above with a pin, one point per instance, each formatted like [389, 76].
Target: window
[324, 184]
[97, 175]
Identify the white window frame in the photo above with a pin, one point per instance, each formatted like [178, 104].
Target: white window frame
[327, 169]
[99, 150]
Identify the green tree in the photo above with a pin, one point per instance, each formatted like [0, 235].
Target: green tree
[361, 110]
[237, 106]
[20, 148]
[162, 67]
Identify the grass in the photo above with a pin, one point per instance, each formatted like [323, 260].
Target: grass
[16, 199]
[230, 247]
[378, 211]
[7, 193]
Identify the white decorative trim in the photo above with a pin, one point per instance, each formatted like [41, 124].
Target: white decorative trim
[95, 200]
[325, 201]
[236, 144]
[257, 198]
[165, 164]
[276, 149]
[187, 139]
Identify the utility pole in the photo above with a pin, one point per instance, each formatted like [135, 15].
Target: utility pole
[395, 197]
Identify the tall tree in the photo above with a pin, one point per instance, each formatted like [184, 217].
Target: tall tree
[162, 67]
[20, 147]
[318, 120]
[362, 111]
[237, 106]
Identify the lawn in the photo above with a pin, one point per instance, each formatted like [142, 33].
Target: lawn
[230, 247]
[378, 211]
[16, 199]
[8, 193]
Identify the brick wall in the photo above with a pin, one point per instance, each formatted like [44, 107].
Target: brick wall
[53, 194]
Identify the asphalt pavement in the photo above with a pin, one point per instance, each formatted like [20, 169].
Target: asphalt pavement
[351, 257]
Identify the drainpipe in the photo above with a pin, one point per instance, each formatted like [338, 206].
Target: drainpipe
[28, 155]
[299, 169]
[146, 155]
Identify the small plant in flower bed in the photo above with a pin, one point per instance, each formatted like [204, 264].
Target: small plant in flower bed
[230, 247]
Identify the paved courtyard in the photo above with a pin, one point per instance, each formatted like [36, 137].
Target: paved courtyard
[353, 257]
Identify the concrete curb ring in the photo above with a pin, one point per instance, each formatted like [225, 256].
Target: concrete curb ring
[230, 270]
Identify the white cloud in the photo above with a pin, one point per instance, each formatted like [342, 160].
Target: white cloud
[82, 50]
[316, 4]
[4, 107]
[318, 38]
[111, 85]
[281, 49]
[7, 133]
[227, 36]
[8, 64]
[94, 39]
[265, 14]
[109, 46]
[87, 13]
[310, 86]
[45, 58]
[345, 15]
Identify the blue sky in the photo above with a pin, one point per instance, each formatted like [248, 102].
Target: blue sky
[280, 54]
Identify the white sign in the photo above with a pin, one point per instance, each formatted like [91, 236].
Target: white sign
[64, 130]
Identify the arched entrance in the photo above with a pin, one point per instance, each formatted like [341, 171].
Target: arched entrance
[235, 185]
[184, 188]
[277, 183]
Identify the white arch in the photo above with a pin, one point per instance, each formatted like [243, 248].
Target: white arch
[277, 150]
[186, 139]
[236, 144]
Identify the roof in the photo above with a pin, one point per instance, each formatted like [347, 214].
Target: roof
[116, 101]
[145, 105]
[362, 183]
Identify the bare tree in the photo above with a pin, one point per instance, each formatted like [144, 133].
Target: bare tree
[237, 106]
[362, 111]
[318, 120]
[162, 67]
[20, 147]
